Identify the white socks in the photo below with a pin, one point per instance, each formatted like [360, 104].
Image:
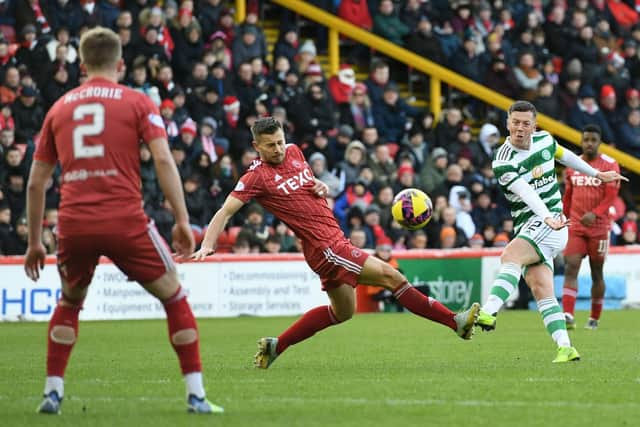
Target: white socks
[54, 383]
[193, 382]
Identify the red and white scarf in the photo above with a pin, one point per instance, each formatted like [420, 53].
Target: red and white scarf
[40, 18]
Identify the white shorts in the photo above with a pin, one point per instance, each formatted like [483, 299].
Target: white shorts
[547, 242]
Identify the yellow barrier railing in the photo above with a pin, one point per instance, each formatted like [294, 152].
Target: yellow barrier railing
[438, 74]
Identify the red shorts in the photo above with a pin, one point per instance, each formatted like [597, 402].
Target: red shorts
[595, 246]
[338, 264]
[140, 254]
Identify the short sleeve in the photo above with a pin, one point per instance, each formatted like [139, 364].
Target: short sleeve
[45, 145]
[505, 173]
[249, 186]
[150, 123]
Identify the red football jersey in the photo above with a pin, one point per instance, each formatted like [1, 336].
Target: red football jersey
[588, 194]
[286, 191]
[94, 131]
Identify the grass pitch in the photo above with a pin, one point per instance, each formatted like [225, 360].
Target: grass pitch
[375, 370]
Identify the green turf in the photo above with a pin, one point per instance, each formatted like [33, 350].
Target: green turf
[384, 369]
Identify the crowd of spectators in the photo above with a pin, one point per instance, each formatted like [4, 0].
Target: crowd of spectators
[211, 78]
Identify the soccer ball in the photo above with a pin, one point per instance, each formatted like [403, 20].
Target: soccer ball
[412, 208]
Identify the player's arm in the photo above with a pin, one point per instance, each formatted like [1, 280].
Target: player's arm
[320, 188]
[171, 185]
[35, 256]
[573, 161]
[568, 193]
[218, 222]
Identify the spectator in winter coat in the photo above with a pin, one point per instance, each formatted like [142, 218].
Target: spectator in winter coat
[424, 42]
[357, 113]
[586, 111]
[433, 174]
[392, 114]
[28, 114]
[318, 164]
[287, 45]
[629, 133]
[387, 25]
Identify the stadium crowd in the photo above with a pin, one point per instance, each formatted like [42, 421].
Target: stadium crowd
[577, 61]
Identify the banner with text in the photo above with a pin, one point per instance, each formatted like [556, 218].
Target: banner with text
[224, 289]
[455, 282]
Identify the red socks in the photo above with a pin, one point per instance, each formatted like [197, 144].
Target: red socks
[59, 349]
[311, 322]
[596, 308]
[180, 318]
[420, 304]
[569, 299]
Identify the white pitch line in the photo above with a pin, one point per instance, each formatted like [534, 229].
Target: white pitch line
[367, 402]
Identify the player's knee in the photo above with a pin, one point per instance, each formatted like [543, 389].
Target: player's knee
[344, 313]
[391, 278]
[61, 334]
[184, 336]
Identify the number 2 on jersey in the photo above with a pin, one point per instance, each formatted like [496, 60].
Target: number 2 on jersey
[80, 150]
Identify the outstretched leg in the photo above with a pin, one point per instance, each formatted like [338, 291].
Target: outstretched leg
[378, 273]
[341, 309]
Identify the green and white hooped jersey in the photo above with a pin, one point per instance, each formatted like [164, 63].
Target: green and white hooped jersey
[537, 167]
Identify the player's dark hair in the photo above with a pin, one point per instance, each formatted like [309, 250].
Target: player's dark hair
[593, 129]
[265, 125]
[523, 106]
[100, 49]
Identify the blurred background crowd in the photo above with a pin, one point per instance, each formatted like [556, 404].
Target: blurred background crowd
[366, 138]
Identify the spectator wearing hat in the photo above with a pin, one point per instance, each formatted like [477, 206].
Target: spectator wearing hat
[306, 55]
[287, 44]
[16, 238]
[447, 237]
[433, 174]
[568, 93]
[318, 163]
[218, 49]
[247, 46]
[188, 137]
[209, 15]
[212, 144]
[387, 25]
[631, 100]
[373, 226]
[357, 112]
[29, 52]
[348, 170]
[342, 84]
[460, 200]
[28, 114]
[180, 112]
[586, 111]
[425, 43]
[416, 149]
[488, 140]
[629, 133]
[609, 107]
[207, 104]
[343, 138]
[603, 37]
[198, 201]
[406, 177]
[392, 115]
[251, 21]
[313, 74]
[382, 166]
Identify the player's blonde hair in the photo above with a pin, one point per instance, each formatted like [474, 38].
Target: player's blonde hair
[100, 49]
